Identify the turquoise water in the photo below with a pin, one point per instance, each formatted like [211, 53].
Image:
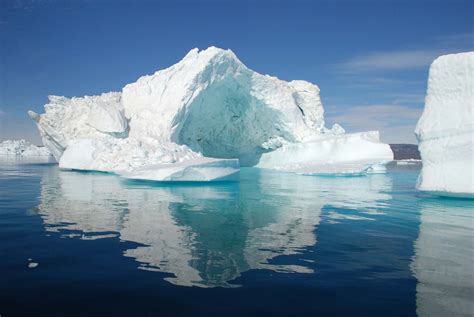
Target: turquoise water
[273, 244]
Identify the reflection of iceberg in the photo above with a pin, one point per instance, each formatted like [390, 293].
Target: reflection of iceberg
[69, 201]
[286, 237]
[167, 245]
[205, 236]
[96, 204]
[444, 254]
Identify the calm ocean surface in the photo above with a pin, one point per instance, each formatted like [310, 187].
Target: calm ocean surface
[275, 244]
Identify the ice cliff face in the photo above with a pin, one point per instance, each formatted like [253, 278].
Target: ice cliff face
[22, 148]
[204, 112]
[89, 117]
[214, 104]
[445, 130]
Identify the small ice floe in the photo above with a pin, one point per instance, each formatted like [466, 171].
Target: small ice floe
[32, 265]
[98, 236]
[408, 162]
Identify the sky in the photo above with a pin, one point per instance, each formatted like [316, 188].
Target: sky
[369, 58]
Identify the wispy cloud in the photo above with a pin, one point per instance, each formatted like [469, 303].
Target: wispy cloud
[395, 60]
[396, 123]
[410, 99]
[2, 113]
[402, 59]
[371, 112]
[461, 39]
[357, 81]
[391, 86]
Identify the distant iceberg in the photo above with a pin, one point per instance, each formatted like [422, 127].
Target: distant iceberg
[200, 119]
[22, 148]
[445, 130]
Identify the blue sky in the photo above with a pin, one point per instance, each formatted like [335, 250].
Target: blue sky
[370, 58]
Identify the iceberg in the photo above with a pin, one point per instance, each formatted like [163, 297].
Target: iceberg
[201, 119]
[445, 130]
[22, 148]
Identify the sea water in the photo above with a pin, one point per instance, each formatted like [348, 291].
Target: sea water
[276, 244]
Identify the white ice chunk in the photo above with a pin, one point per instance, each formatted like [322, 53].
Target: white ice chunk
[32, 265]
[107, 119]
[79, 155]
[336, 154]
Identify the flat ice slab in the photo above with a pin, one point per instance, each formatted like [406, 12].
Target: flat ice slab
[202, 169]
[345, 154]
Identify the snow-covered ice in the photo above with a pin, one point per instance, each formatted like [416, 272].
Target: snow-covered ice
[445, 130]
[330, 154]
[22, 148]
[192, 121]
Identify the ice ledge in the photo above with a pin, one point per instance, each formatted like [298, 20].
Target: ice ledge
[198, 170]
[357, 153]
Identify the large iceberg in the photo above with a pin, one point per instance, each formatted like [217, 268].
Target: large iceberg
[445, 130]
[200, 118]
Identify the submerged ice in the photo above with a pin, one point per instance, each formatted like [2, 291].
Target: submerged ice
[200, 118]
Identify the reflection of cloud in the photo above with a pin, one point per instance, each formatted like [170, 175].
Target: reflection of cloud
[356, 198]
[444, 254]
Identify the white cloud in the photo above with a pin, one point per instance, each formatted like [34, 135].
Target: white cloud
[396, 97]
[409, 99]
[395, 60]
[402, 59]
[396, 123]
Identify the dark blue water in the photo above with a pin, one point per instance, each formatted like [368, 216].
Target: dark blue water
[275, 244]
